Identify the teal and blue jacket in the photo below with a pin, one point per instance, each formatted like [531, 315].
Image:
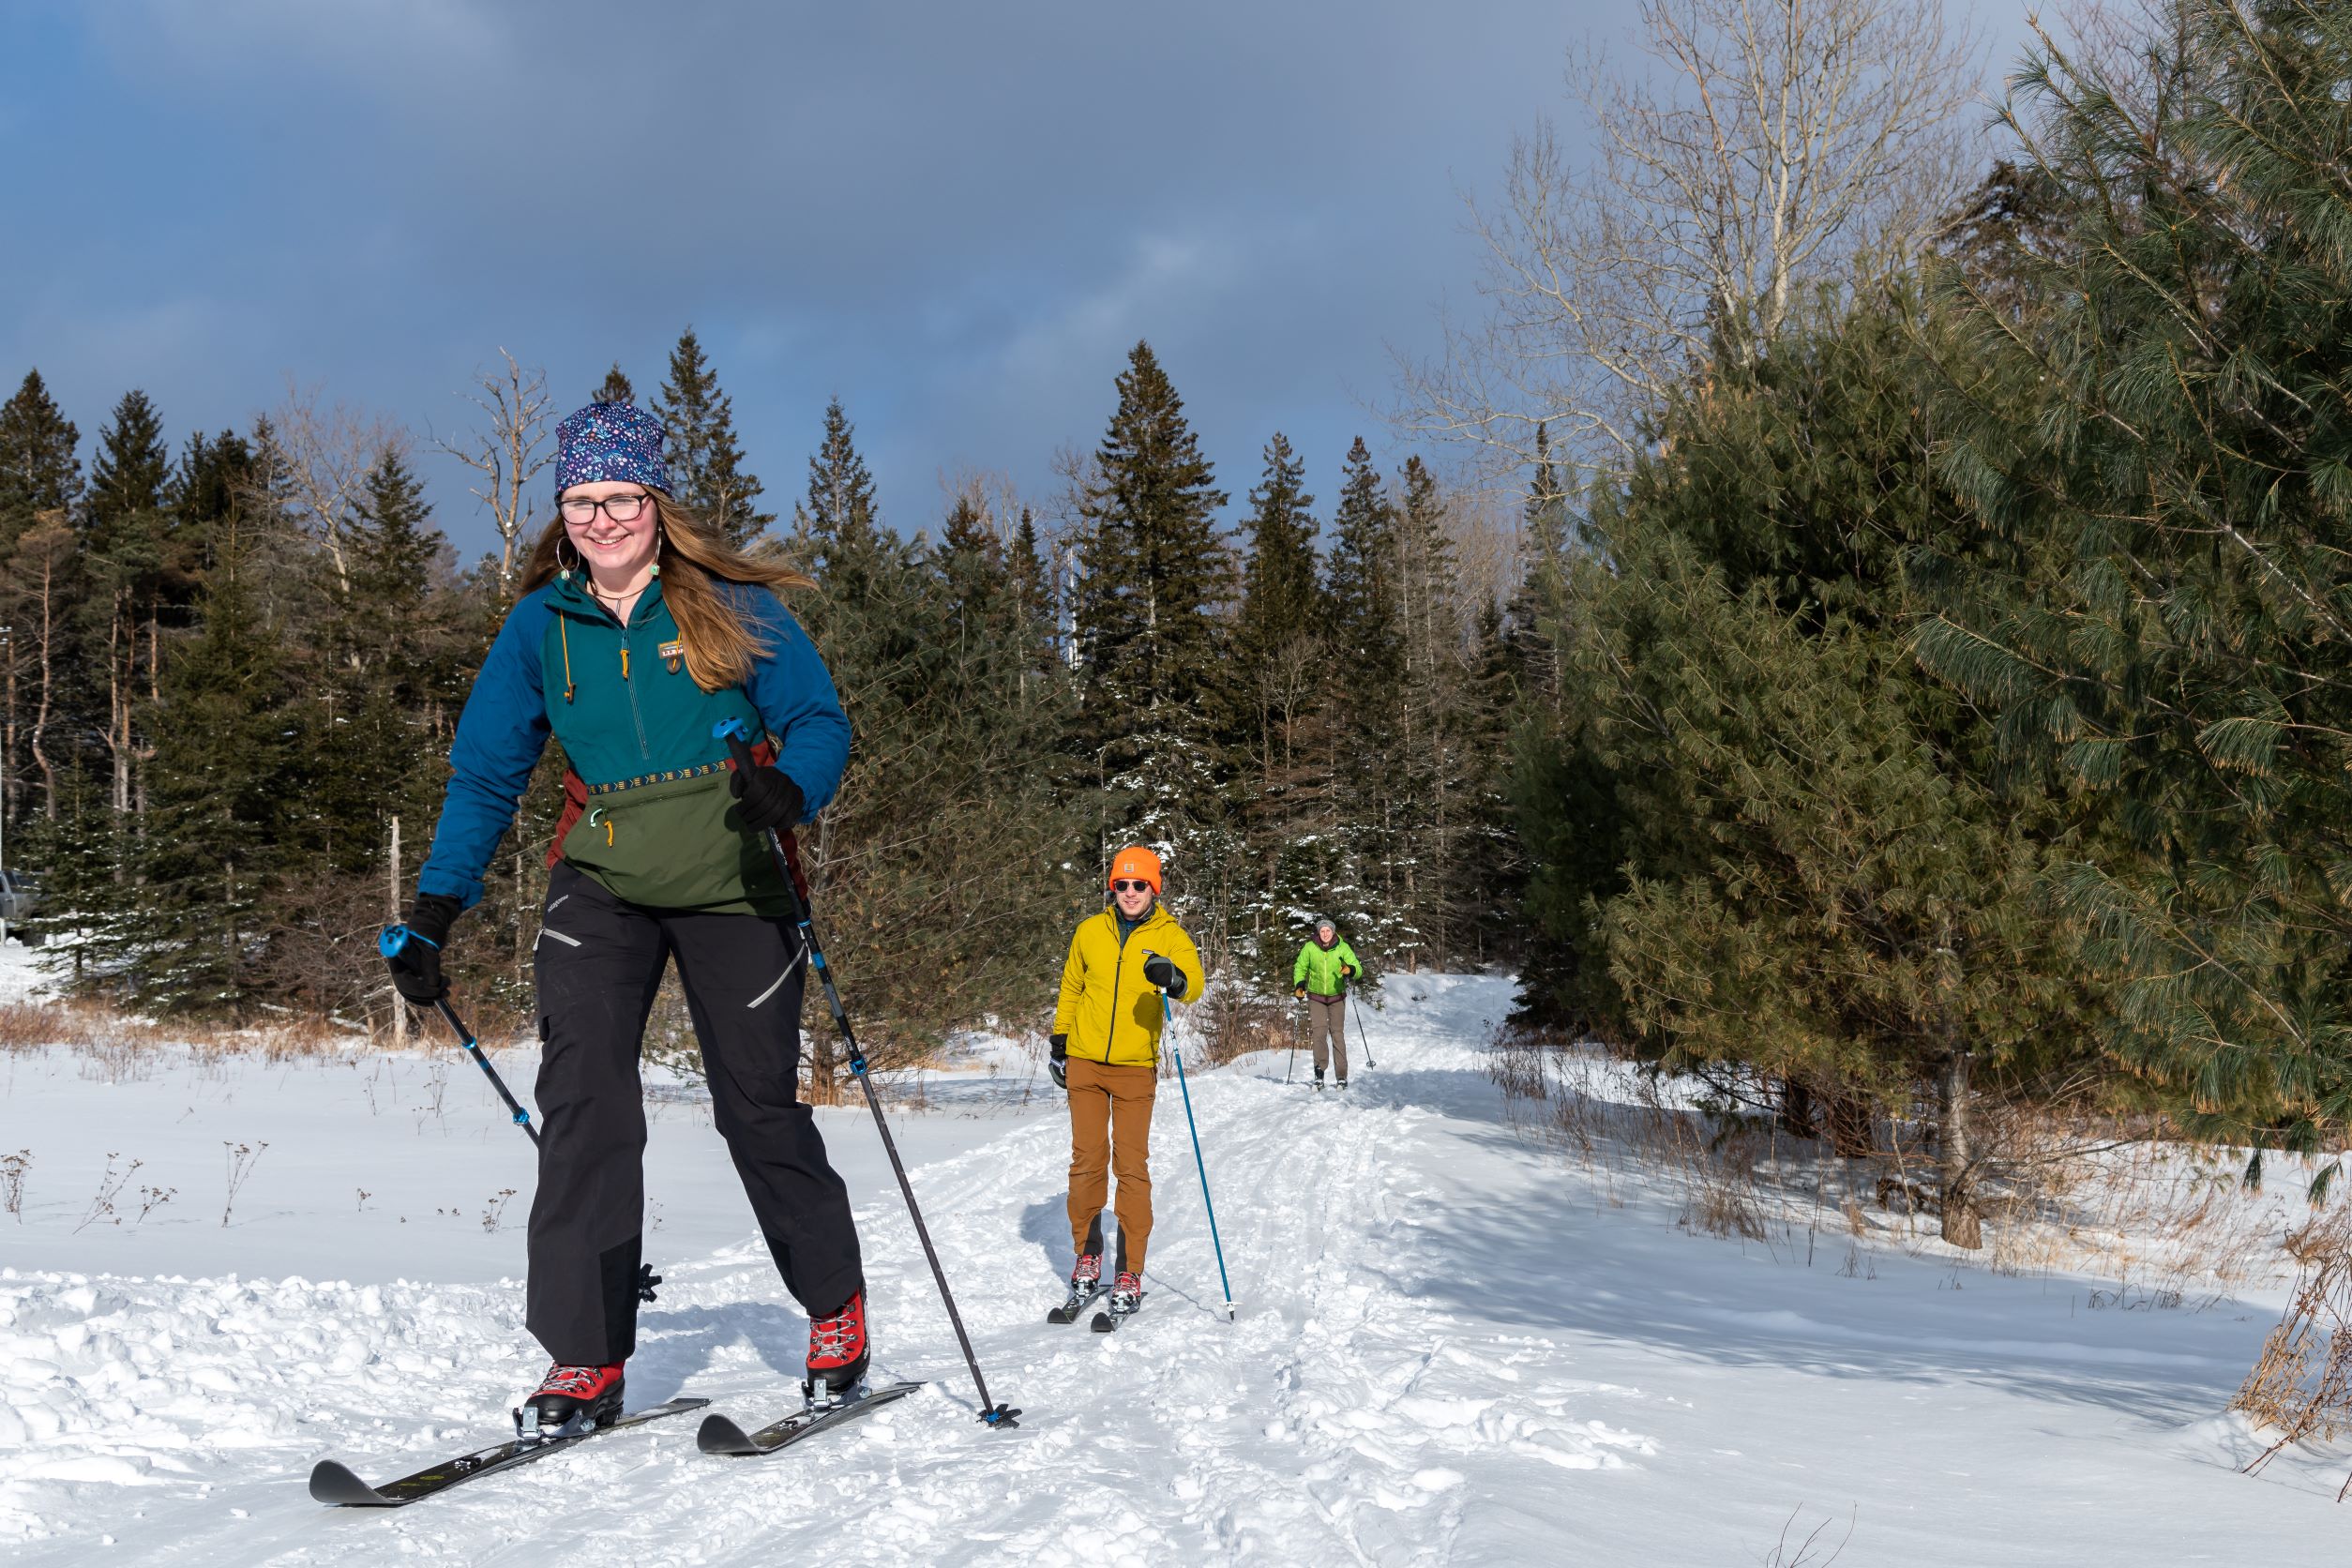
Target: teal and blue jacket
[649, 813]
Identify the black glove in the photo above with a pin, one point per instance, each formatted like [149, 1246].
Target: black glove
[1058, 1064]
[416, 967]
[1298, 992]
[1164, 974]
[770, 798]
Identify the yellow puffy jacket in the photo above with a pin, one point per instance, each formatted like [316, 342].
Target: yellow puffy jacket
[1108, 1011]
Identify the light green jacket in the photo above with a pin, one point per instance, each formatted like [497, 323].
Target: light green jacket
[1325, 970]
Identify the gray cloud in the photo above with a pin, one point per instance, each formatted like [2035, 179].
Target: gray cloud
[957, 216]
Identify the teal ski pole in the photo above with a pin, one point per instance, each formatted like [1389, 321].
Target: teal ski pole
[1167, 1018]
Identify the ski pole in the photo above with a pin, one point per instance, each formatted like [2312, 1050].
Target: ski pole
[393, 939]
[1295, 1031]
[1168, 1021]
[1360, 1033]
[732, 732]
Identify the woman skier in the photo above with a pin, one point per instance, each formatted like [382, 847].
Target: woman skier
[1320, 979]
[1107, 1053]
[640, 628]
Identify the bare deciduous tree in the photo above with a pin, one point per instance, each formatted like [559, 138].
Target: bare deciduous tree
[1757, 148]
[507, 451]
[43, 554]
[327, 454]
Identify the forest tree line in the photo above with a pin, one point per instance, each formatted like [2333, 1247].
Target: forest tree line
[233, 668]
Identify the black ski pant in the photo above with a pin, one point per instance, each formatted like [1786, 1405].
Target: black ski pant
[599, 962]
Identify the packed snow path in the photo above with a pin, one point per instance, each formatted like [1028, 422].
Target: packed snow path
[1452, 1347]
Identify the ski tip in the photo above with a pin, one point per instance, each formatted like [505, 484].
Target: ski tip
[718, 1435]
[334, 1485]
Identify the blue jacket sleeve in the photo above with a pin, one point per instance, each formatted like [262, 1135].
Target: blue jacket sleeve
[793, 692]
[500, 736]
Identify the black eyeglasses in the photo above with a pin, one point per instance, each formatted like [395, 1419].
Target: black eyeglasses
[1122, 885]
[620, 508]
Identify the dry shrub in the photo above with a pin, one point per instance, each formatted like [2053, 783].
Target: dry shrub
[119, 1047]
[2063, 1188]
[32, 1025]
[2301, 1386]
[1236, 1025]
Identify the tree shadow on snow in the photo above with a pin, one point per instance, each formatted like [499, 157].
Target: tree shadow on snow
[1630, 1274]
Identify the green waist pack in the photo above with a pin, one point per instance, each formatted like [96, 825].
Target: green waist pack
[677, 844]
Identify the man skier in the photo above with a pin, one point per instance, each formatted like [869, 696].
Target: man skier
[1320, 979]
[1105, 1055]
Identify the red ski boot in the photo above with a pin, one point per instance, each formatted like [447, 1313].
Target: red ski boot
[838, 1352]
[575, 1398]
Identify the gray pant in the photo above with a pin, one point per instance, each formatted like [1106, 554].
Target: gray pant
[1327, 1026]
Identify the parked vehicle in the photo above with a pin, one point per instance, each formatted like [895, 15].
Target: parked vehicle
[20, 896]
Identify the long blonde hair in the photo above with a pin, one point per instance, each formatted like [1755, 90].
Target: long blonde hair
[695, 558]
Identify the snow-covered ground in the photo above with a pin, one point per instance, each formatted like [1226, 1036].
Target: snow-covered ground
[1453, 1346]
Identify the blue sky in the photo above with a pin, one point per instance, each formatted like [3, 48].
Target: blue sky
[957, 216]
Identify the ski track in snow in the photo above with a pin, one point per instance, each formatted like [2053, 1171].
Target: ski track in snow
[1400, 1387]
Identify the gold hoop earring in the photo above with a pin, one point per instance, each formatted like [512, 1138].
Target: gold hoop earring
[577, 565]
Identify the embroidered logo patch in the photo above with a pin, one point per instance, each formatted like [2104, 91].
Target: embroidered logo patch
[672, 655]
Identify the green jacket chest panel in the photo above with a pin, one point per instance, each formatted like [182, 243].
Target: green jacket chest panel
[621, 699]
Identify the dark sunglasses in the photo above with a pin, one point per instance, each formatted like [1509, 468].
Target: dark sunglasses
[1123, 885]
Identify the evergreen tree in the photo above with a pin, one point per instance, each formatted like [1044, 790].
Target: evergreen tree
[1821, 877]
[1151, 643]
[368, 744]
[1426, 783]
[38, 469]
[1280, 676]
[1280, 599]
[615, 388]
[1365, 699]
[1033, 593]
[218, 804]
[837, 516]
[1487, 872]
[125, 532]
[2148, 421]
[706, 461]
[1533, 651]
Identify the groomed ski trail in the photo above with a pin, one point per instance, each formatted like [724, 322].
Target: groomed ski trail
[1315, 1430]
[1453, 1348]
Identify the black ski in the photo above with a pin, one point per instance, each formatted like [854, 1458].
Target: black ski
[333, 1483]
[1079, 1301]
[1107, 1320]
[721, 1436]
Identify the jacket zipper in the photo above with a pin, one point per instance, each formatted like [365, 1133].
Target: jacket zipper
[1116, 968]
[636, 718]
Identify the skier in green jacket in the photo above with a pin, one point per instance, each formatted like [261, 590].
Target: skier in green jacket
[1320, 979]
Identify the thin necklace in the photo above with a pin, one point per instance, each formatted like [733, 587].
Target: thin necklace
[610, 601]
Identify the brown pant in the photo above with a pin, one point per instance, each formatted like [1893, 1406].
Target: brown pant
[1110, 1129]
[1327, 1026]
